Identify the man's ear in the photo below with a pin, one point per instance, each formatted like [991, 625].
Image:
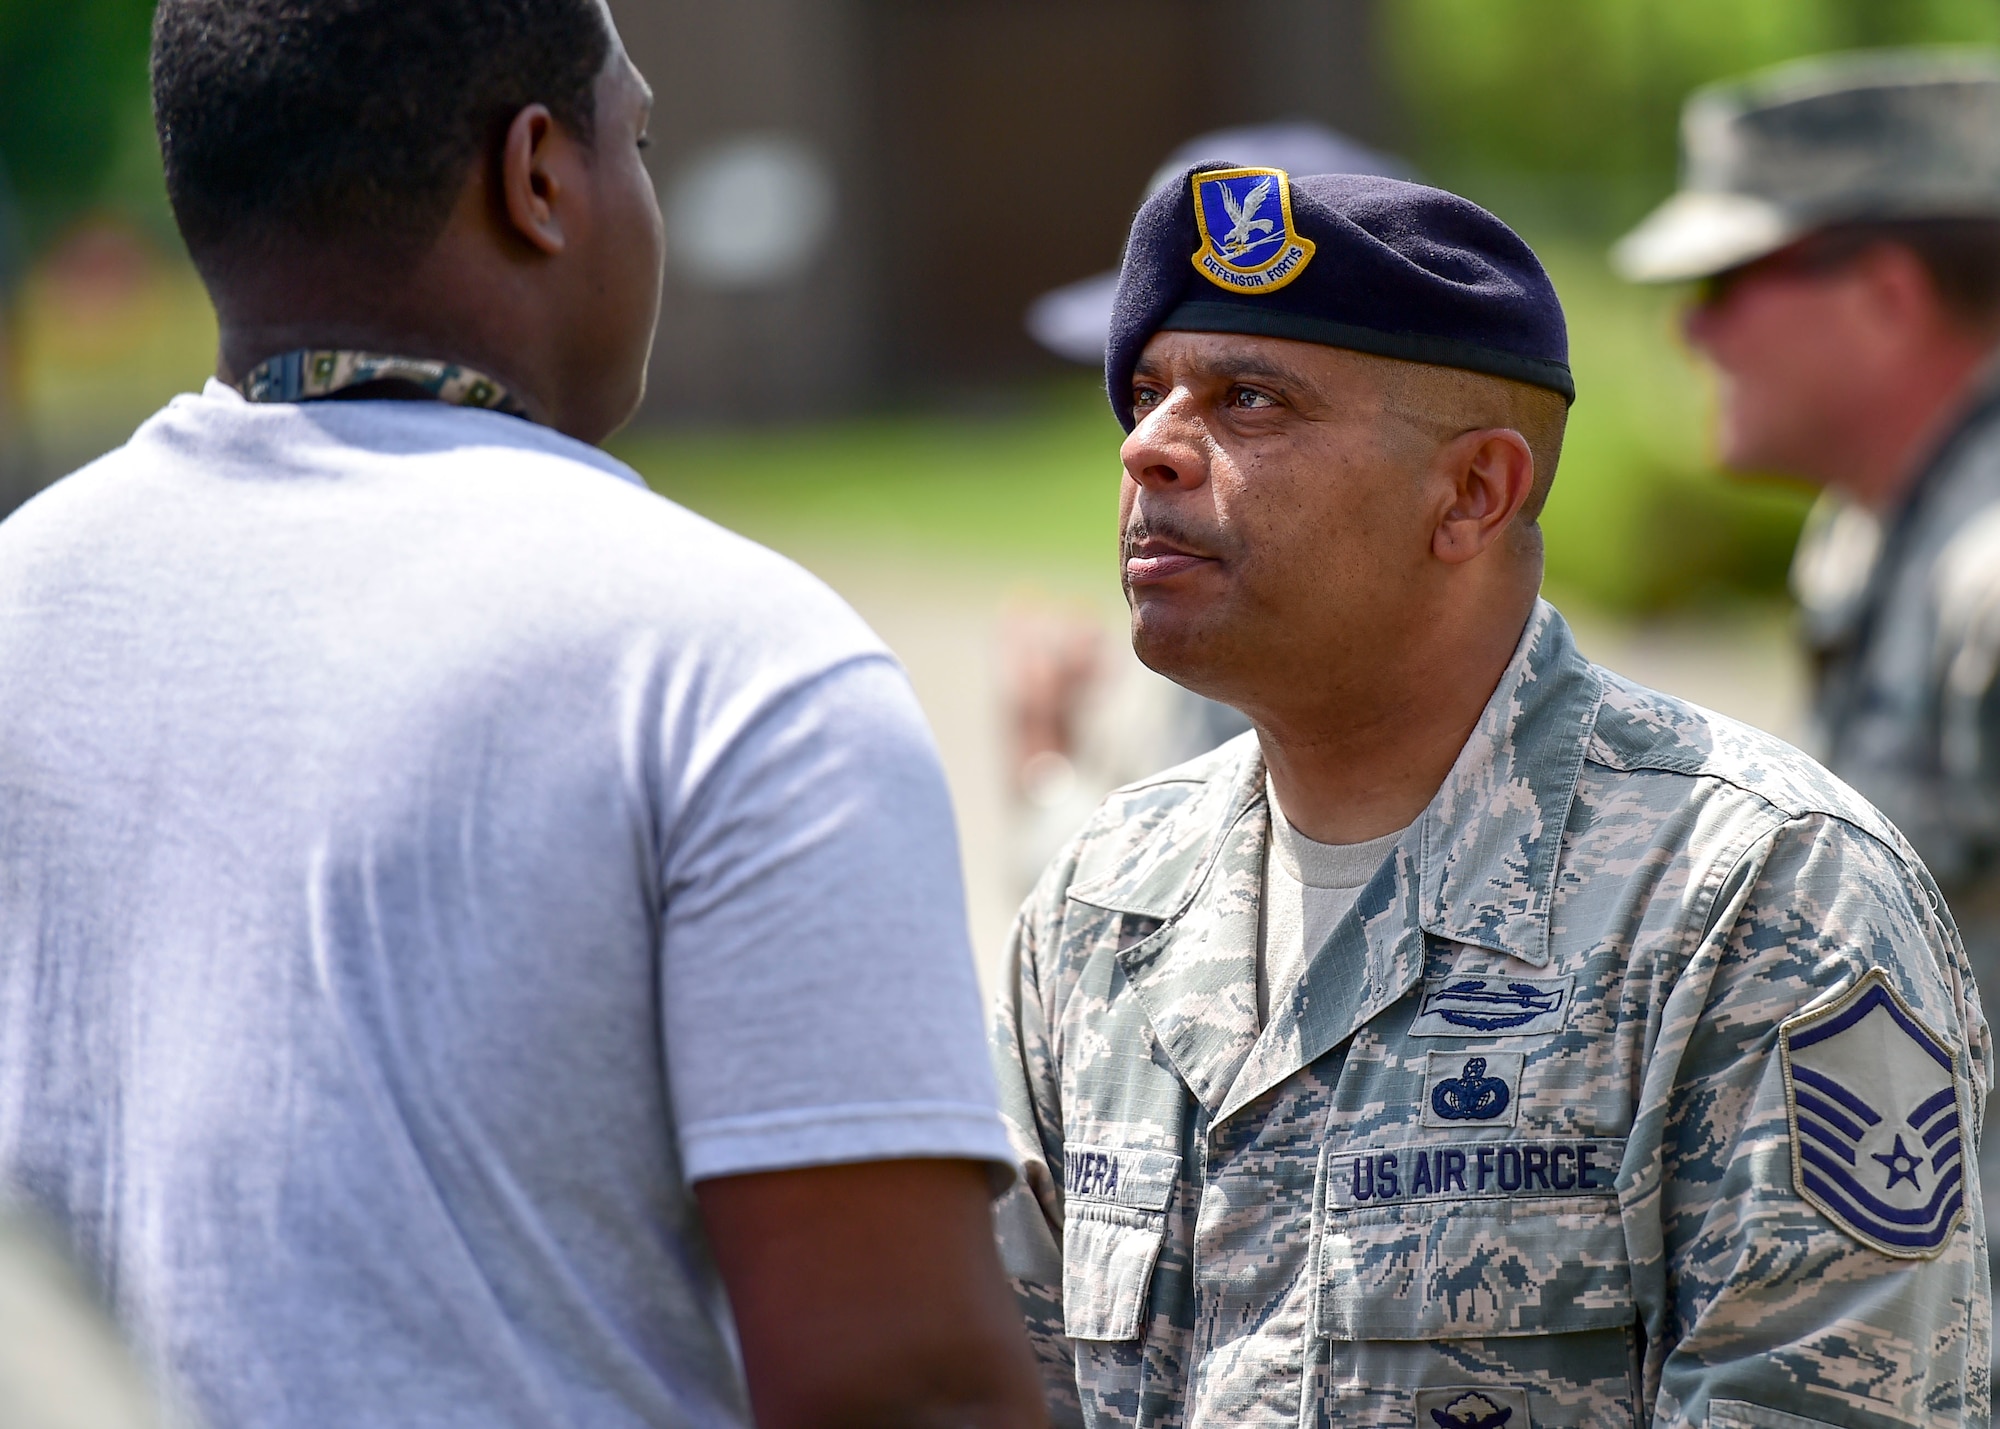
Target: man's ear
[1492, 474]
[1899, 298]
[532, 175]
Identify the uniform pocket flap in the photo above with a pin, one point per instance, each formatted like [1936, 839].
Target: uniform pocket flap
[1108, 1256]
[1471, 1261]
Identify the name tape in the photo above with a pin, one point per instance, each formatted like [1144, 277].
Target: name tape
[1121, 1175]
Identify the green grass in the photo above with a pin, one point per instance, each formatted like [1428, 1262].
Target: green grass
[1638, 522]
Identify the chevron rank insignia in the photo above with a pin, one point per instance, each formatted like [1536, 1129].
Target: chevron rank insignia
[1878, 1136]
[1248, 244]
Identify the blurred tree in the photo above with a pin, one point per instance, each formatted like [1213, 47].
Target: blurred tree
[72, 83]
[1578, 103]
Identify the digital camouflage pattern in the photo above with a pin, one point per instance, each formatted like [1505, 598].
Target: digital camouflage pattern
[313, 373]
[1607, 913]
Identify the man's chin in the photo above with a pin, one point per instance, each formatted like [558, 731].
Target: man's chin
[1188, 652]
[1746, 446]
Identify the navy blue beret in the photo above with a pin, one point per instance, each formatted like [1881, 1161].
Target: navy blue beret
[1349, 260]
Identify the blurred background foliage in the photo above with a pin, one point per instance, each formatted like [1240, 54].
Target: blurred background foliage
[1563, 117]
[75, 129]
[1559, 114]
[1576, 103]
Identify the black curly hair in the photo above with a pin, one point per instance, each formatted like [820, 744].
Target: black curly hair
[352, 122]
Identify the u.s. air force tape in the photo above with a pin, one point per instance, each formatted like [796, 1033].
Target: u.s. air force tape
[1473, 1170]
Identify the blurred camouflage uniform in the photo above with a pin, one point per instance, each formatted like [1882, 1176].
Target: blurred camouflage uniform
[1518, 1149]
[1901, 616]
[1903, 622]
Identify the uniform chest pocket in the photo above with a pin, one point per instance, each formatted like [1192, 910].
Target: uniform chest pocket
[1472, 1239]
[1114, 1220]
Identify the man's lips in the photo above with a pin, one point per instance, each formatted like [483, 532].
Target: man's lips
[1152, 561]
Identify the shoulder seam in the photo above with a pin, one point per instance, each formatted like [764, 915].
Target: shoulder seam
[1786, 815]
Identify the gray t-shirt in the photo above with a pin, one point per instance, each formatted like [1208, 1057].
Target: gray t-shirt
[423, 853]
[1308, 888]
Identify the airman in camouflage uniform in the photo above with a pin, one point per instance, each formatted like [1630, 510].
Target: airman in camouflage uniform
[1639, 1085]
[1813, 179]
[1235, 1225]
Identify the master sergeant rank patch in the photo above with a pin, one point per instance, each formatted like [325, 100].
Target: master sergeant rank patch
[1878, 1133]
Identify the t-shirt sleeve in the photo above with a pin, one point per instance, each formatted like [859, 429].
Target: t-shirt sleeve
[818, 998]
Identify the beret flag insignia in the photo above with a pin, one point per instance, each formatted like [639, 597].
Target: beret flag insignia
[1878, 1133]
[1248, 243]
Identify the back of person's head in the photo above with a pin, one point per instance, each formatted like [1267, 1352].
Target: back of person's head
[349, 126]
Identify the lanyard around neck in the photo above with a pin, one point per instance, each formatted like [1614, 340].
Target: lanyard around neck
[311, 373]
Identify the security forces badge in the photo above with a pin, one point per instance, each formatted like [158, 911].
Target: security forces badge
[1248, 243]
[1878, 1135]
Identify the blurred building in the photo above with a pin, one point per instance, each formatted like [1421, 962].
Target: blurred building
[862, 196]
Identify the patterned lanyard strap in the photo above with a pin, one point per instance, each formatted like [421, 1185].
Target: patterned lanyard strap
[311, 373]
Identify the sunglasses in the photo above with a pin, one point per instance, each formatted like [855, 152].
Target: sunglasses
[1808, 258]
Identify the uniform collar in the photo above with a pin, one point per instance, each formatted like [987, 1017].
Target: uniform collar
[1479, 867]
[1486, 862]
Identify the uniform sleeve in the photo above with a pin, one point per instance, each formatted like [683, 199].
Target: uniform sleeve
[818, 998]
[1802, 1019]
[1030, 1216]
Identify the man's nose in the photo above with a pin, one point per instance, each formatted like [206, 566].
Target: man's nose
[1168, 450]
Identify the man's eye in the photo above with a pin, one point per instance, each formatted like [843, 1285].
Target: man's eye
[1249, 397]
[1146, 397]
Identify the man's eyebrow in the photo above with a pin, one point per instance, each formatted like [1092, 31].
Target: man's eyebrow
[1235, 369]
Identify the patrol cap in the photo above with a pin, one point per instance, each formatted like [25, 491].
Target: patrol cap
[1358, 261]
[1882, 134]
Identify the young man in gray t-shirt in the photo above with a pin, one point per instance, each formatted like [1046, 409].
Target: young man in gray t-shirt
[478, 944]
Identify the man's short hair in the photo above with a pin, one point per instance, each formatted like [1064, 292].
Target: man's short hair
[332, 123]
[1960, 255]
[1450, 400]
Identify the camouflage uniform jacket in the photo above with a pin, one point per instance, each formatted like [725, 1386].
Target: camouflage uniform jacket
[1902, 619]
[1518, 1148]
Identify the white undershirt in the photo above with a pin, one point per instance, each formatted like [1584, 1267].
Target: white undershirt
[1308, 888]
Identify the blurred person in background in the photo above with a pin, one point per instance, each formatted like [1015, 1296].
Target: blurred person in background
[62, 1365]
[1078, 729]
[1436, 1054]
[1841, 219]
[479, 945]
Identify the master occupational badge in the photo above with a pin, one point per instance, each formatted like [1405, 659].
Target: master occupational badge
[1248, 244]
[1878, 1136]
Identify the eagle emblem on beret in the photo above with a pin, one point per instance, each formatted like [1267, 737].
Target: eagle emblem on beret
[1248, 243]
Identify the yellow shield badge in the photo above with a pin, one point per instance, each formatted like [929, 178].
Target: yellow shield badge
[1248, 244]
